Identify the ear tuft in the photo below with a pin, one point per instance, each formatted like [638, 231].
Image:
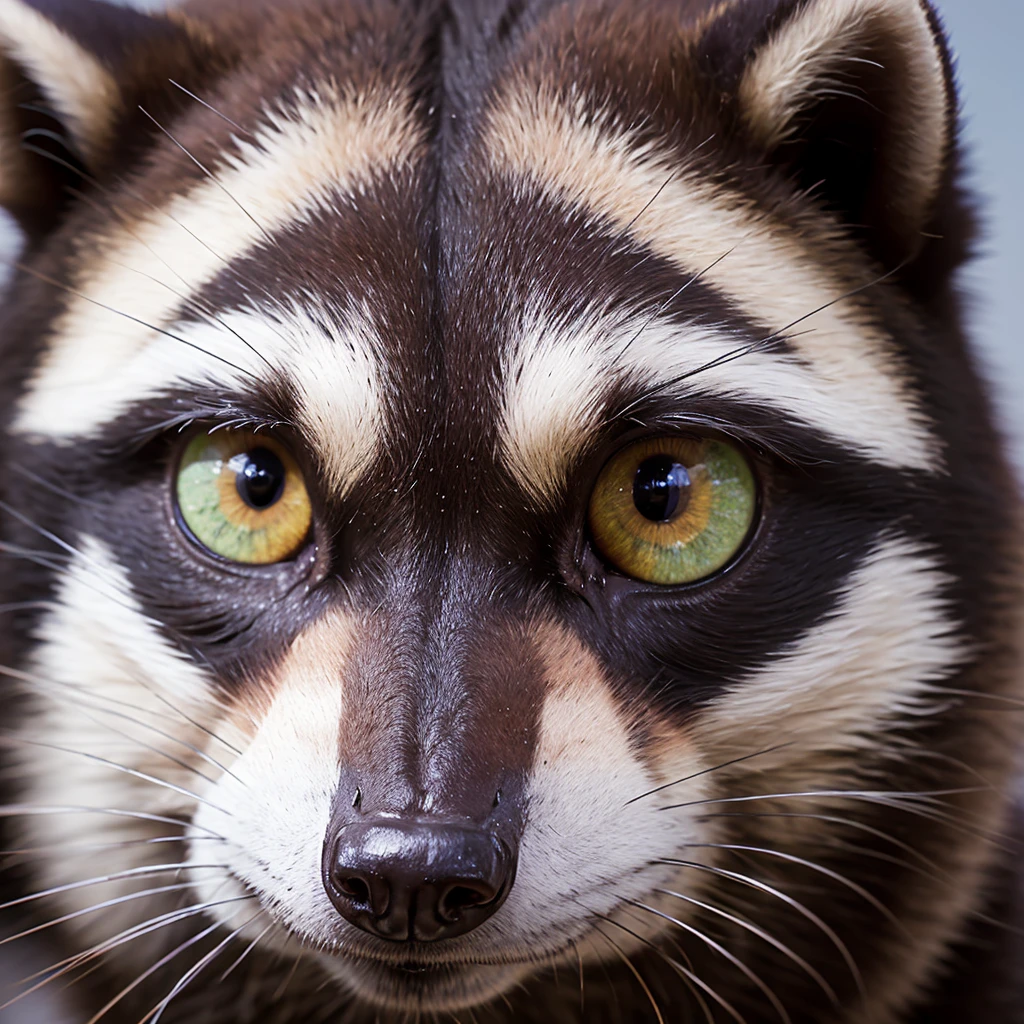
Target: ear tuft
[854, 98]
[67, 78]
[82, 92]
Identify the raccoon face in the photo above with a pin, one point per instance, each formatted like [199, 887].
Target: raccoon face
[490, 488]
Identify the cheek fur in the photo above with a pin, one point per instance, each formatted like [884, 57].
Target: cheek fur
[275, 805]
[113, 754]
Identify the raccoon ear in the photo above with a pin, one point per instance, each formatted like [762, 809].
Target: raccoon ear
[70, 72]
[854, 99]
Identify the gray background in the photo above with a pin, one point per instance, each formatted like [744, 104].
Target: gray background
[986, 37]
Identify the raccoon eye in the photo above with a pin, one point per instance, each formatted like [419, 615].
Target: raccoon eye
[673, 510]
[242, 496]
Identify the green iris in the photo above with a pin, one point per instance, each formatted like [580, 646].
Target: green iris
[242, 496]
[673, 510]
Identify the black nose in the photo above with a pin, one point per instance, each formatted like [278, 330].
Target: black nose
[415, 880]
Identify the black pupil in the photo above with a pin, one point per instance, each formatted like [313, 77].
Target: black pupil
[659, 487]
[261, 479]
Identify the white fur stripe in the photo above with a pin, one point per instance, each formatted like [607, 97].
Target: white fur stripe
[332, 363]
[578, 158]
[873, 662]
[558, 371]
[332, 143]
[108, 689]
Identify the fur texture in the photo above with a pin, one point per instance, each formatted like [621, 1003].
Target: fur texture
[455, 257]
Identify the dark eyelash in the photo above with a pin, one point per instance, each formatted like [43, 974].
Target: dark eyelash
[169, 416]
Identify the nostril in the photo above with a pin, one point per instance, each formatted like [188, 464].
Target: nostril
[458, 898]
[355, 888]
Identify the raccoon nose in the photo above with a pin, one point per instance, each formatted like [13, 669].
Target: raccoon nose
[416, 881]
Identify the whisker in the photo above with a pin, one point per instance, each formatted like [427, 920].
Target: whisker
[860, 794]
[684, 972]
[286, 982]
[693, 279]
[791, 858]
[636, 974]
[197, 969]
[846, 822]
[71, 963]
[765, 936]
[163, 961]
[161, 211]
[743, 968]
[579, 961]
[30, 810]
[83, 698]
[123, 844]
[738, 353]
[706, 771]
[211, 177]
[117, 876]
[49, 561]
[49, 485]
[190, 303]
[973, 694]
[804, 912]
[106, 904]
[212, 109]
[114, 766]
[248, 949]
[134, 319]
[26, 606]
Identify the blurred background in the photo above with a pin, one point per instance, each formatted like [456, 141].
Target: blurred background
[986, 37]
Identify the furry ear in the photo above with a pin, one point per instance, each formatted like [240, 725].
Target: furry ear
[71, 71]
[854, 99]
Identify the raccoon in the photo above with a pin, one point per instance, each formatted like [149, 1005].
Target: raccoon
[500, 518]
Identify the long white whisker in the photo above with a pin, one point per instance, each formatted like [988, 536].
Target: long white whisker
[85, 698]
[743, 968]
[116, 876]
[194, 971]
[71, 963]
[30, 810]
[636, 974]
[835, 819]
[765, 936]
[177, 887]
[796, 905]
[684, 972]
[791, 858]
[248, 949]
[114, 766]
[122, 844]
[177, 951]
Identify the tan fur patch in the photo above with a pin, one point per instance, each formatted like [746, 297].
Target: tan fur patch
[587, 833]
